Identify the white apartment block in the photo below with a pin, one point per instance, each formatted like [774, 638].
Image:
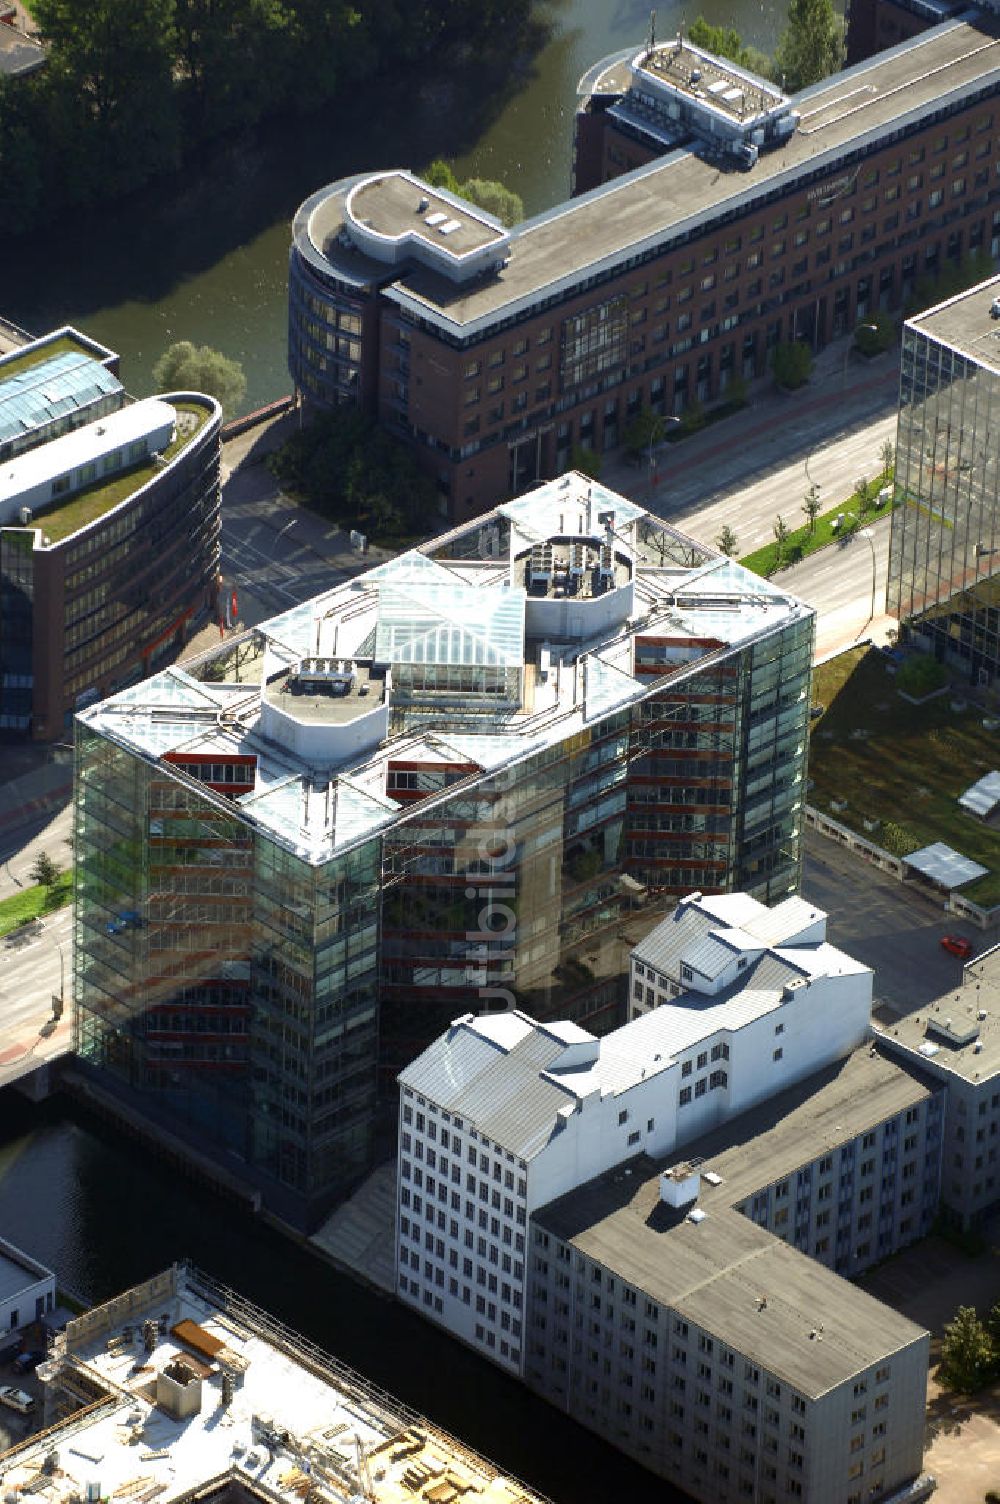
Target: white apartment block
[708, 941]
[501, 1115]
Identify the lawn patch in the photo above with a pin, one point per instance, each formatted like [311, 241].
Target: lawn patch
[901, 765]
[34, 903]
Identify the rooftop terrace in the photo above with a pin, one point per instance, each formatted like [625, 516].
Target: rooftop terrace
[801, 1321]
[61, 519]
[201, 1389]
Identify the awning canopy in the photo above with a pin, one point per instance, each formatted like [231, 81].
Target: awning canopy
[944, 866]
[983, 796]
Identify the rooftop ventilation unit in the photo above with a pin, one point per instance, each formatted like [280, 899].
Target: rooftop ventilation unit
[680, 1185]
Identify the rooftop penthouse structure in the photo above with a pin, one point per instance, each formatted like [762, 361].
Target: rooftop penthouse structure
[179, 1390]
[466, 779]
[675, 90]
[109, 524]
[666, 278]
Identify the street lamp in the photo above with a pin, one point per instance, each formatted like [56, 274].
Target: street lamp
[656, 432]
[869, 536]
[873, 328]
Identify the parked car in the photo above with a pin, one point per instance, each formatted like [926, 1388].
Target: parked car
[11, 1351]
[16, 1399]
[957, 945]
[25, 1362]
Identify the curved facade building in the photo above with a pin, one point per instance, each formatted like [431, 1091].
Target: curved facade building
[351, 239]
[712, 220]
[109, 549]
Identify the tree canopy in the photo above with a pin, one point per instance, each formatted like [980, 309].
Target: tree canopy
[792, 363]
[185, 367]
[725, 41]
[487, 193]
[134, 88]
[355, 473]
[811, 46]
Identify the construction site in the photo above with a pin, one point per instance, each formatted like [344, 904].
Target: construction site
[179, 1389]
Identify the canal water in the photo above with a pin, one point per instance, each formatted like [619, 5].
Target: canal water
[205, 257]
[95, 1207]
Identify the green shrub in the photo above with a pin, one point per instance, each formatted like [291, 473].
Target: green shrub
[921, 675]
[792, 364]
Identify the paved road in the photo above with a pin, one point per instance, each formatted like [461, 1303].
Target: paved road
[32, 972]
[751, 510]
[892, 927]
[847, 593]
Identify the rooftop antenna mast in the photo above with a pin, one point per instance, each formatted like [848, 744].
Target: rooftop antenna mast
[652, 30]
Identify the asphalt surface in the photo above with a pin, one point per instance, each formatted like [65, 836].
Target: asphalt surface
[33, 971]
[847, 592]
[895, 928]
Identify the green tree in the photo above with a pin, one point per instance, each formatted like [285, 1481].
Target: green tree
[645, 429]
[736, 393]
[887, 456]
[728, 542]
[725, 41]
[811, 46]
[21, 181]
[44, 870]
[967, 1354]
[586, 460]
[781, 535]
[811, 506]
[876, 334]
[185, 367]
[231, 60]
[505, 205]
[792, 364]
[440, 175]
[351, 471]
[862, 494]
[111, 71]
[693, 416]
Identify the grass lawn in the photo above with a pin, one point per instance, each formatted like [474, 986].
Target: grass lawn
[801, 542]
[34, 903]
[60, 520]
[902, 765]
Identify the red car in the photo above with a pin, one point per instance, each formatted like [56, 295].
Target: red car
[957, 945]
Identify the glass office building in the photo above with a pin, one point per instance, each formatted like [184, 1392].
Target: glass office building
[470, 778]
[944, 563]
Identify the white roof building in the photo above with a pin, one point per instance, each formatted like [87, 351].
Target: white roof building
[501, 1114]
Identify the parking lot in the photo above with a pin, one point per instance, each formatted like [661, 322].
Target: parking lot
[14, 1427]
[895, 928]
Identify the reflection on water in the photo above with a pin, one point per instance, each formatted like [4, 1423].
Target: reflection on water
[92, 1205]
[204, 257]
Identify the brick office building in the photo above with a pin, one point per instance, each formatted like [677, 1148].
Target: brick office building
[495, 352]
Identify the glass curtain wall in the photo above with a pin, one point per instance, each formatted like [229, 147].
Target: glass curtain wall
[224, 983]
[945, 543]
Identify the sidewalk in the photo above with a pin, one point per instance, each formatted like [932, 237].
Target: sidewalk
[774, 430]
